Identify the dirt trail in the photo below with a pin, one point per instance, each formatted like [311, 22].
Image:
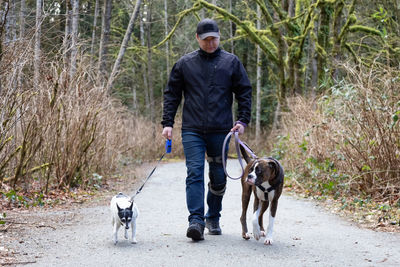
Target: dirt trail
[305, 234]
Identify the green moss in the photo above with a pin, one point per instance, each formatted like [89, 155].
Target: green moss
[361, 28]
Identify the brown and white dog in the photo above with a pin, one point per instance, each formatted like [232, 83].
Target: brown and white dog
[264, 177]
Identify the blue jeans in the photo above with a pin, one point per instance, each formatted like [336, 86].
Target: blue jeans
[195, 145]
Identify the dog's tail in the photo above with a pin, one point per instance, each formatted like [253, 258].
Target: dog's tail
[244, 154]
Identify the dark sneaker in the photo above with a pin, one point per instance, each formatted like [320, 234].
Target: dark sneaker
[195, 231]
[213, 227]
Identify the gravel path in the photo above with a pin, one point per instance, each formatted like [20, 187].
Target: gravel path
[305, 234]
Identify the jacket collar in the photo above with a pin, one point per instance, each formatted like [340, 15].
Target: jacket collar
[209, 55]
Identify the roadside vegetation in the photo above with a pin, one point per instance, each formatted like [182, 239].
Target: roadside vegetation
[81, 94]
[61, 135]
[347, 148]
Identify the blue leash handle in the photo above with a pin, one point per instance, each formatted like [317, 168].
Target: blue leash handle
[168, 146]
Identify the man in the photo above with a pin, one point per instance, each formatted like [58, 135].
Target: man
[207, 78]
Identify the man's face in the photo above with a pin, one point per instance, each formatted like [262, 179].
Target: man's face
[209, 44]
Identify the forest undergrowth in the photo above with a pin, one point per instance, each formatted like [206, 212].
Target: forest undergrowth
[67, 139]
[63, 135]
[344, 147]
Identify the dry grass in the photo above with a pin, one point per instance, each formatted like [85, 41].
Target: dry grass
[348, 146]
[64, 133]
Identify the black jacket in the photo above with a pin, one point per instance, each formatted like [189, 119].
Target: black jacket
[207, 82]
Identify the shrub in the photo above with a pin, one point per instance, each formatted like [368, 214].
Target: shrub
[350, 143]
[61, 132]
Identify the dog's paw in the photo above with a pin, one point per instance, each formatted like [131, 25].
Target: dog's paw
[246, 236]
[115, 242]
[268, 241]
[262, 233]
[256, 230]
[134, 241]
[257, 234]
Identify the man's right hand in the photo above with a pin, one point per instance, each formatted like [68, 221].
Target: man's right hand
[167, 132]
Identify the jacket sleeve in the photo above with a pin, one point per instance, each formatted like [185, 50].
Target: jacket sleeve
[172, 95]
[242, 89]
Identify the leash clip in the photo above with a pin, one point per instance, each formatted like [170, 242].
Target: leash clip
[168, 146]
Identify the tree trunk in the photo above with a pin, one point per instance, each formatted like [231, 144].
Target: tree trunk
[292, 61]
[397, 10]
[105, 37]
[22, 19]
[282, 73]
[231, 34]
[67, 34]
[11, 33]
[291, 8]
[21, 36]
[74, 39]
[281, 64]
[299, 79]
[166, 33]
[314, 68]
[285, 5]
[37, 52]
[4, 8]
[258, 95]
[231, 29]
[123, 47]
[166, 50]
[323, 35]
[336, 40]
[134, 97]
[186, 21]
[149, 64]
[275, 123]
[144, 69]
[96, 14]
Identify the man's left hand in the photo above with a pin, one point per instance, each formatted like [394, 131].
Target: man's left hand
[238, 128]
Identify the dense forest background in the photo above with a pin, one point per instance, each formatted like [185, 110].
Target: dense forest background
[81, 86]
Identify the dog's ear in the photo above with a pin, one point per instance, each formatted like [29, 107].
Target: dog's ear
[277, 168]
[248, 168]
[130, 207]
[244, 154]
[274, 167]
[119, 209]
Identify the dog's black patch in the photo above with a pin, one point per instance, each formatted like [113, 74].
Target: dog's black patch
[125, 215]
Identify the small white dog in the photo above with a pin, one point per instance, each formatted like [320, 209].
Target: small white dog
[124, 213]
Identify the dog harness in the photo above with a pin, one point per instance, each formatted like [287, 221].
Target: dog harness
[269, 189]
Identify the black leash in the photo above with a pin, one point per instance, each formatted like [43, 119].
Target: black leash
[168, 145]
